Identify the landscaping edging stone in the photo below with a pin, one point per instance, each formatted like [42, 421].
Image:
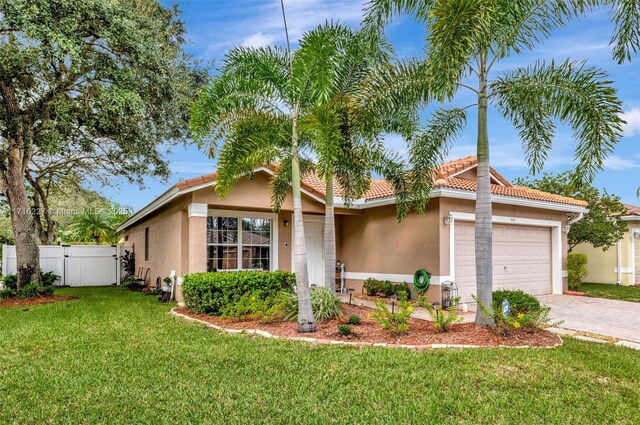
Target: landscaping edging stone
[323, 341]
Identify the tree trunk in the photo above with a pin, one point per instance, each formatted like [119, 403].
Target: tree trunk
[46, 230]
[306, 321]
[483, 225]
[27, 251]
[13, 165]
[329, 244]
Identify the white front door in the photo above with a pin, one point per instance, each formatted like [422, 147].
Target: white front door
[314, 233]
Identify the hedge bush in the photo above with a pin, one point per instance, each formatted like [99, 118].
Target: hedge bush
[576, 269]
[520, 301]
[385, 288]
[212, 292]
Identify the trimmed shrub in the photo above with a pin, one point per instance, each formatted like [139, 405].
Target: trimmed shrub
[372, 286]
[324, 304]
[576, 269]
[48, 278]
[354, 320]
[385, 288]
[402, 289]
[344, 330]
[520, 301]
[257, 306]
[212, 292]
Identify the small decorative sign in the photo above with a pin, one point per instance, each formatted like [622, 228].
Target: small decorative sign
[506, 308]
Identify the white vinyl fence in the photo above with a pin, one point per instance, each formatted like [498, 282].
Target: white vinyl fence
[77, 265]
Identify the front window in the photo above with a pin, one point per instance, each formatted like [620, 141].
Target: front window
[235, 243]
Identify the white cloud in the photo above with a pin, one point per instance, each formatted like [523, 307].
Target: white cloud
[618, 163]
[257, 40]
[258, 24]
[632, 127]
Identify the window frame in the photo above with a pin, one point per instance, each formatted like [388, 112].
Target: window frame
[273, 246]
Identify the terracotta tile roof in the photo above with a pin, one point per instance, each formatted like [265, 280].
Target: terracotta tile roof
[510, 191]
[207, 178]
[632, 209]
[380, 188]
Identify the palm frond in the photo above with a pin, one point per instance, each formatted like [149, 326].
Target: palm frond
[379, 13]
[625, 15]
[579, 96]
[428, 148]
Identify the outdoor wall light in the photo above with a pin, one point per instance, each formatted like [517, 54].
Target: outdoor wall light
[635, 233]
[565, 229]
[448, 220]
[285, 222]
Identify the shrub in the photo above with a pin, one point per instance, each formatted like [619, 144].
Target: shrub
[442, 321]
[372, 286]
[33, 290]
[10, 281]
[211, 292]
[324, 304]
[354, 320]
[387, 288]
[401, 288]
[256, 306]
[7, 293]
[48, 278]
[576, 269]
[398, 322]
[518, 319]
[344, 330]
[520, 301]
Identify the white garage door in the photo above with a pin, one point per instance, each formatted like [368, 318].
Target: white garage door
[521, 259]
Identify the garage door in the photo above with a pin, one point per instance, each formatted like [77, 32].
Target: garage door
[521, 259]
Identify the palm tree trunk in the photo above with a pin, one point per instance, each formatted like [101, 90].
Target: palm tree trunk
[483, 225]
[329, 245]
[306, 321]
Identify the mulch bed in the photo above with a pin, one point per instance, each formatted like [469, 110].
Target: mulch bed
[421, 332]
[18, 302]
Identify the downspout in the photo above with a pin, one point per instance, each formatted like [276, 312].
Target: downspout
[575, 219]
[619, 262]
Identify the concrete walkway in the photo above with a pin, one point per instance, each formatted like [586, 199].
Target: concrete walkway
[611, 318]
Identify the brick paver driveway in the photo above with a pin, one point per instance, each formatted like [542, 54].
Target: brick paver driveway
[618, 319]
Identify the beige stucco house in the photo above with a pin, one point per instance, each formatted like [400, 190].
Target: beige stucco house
[189, 228]
[619, 264]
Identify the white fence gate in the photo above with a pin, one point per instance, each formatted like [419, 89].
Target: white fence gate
[77, 265]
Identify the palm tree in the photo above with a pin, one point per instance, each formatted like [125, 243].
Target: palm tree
[465, 40]
[345, 135]
[96, 226]
[254, 107]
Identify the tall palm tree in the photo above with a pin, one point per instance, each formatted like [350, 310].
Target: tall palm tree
[253, 108]
[465, 41]
[344, 134]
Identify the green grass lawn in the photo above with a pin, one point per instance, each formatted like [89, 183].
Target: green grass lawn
[612, 292]
[117, 357]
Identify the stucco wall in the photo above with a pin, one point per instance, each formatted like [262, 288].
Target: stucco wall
[602, 265]
[375, 242]
[166, 241]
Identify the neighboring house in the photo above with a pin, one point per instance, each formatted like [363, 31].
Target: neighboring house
[189, 229]
[620, 264]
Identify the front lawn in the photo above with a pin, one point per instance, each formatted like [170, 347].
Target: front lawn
[117, 357]
[612, 292]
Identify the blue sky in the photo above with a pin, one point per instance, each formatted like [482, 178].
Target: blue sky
[216, 26]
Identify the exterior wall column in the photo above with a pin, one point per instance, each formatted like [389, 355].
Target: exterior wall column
[197, 217]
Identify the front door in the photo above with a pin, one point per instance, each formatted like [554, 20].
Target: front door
[314, 232]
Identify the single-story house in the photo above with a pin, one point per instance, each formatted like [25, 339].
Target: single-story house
[619, 264]
[190, 229]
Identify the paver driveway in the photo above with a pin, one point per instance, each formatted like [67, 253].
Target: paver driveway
[618, 319]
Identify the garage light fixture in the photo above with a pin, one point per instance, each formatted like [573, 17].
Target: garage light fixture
[448, 220]
[565, 229]
[635, 233]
